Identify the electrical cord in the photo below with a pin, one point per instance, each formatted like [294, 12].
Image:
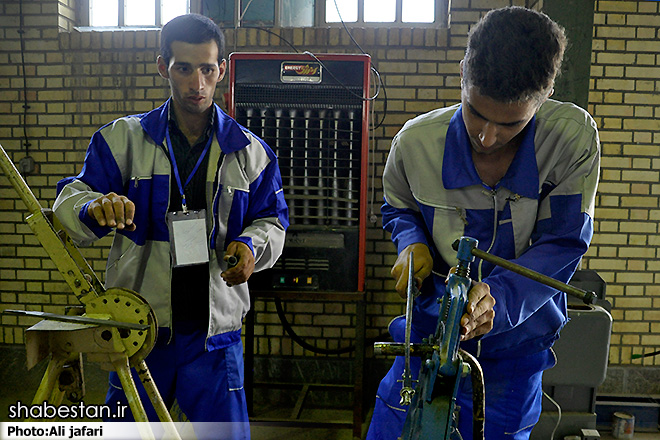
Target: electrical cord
[284, 40]
[298, 340]
[26, 106]
[346, 28]
[552, 436]
[342, 84]
[379, 85]
[382, 84]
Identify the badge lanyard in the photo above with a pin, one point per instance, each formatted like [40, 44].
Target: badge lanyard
[176, 169]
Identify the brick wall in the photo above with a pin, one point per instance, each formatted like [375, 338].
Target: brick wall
[625, 102]
[78, 81]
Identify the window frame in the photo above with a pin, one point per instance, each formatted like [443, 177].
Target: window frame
[83, 13]
[441, 19]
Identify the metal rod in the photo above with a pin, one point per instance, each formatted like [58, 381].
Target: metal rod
[586, 297]
[399, 349]
[78, 319]
[478, 396]
[157, 401]
[123, 370]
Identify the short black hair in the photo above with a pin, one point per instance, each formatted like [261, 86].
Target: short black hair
[514, 54]
[193, 29]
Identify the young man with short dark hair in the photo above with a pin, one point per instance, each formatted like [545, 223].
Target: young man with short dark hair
[186, 187]
[517, 171]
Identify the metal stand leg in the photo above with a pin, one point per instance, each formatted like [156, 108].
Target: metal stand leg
[157, 401]
[139, 414]
[49, 390]
[49, 382]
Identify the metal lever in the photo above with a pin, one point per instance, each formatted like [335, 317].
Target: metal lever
[407, 390]
[585, 296]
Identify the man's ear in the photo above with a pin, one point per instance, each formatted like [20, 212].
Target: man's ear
[162, 67]
[461, 64]
[222, 69]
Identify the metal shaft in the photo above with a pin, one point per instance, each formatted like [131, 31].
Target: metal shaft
[586, 297]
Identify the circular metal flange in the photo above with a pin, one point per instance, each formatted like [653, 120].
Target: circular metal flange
[124, 305]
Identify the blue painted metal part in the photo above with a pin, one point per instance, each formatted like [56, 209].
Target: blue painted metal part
[431, 413]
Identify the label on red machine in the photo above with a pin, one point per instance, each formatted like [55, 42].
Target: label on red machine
[301, 72]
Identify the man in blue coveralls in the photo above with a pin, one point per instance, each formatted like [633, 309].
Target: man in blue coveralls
[186, 187]
[516, 170]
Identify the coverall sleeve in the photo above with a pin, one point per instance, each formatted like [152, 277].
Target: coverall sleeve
[267, 217]
[401, 213]
[100, 175]
[562, 234]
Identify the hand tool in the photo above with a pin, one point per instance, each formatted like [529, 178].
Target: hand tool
[432, 404]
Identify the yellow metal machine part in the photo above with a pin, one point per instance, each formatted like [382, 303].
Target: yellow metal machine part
[120, 331]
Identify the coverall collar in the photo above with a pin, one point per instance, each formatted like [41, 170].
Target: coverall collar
[228, 132]
[458, 170]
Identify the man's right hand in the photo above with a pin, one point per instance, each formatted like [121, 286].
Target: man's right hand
[423, 265]
[113, 210]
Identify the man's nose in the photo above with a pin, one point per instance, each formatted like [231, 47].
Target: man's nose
[197, 81]
[488, 135]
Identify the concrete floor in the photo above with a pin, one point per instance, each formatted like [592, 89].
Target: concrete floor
[18, 384]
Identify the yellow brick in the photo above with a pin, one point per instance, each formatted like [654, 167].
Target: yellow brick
[614, 239]
[617, 6]
[613, 72]
[630, 327]
[424, 54]
[643, 112]
[601, 264]
[611, 123]
[616, 19]
[611, 213]
[642, 98]
[615, 45]
[638, 227]
[614, 110]
[649, 202]
[639, 176]
[642, 72]
[608, 32]
[488, 4]
[615, 137]
[637, 252]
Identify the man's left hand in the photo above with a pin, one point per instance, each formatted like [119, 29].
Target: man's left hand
[245, 266]
[480, 313]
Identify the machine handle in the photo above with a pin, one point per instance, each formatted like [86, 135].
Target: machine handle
[585, 296]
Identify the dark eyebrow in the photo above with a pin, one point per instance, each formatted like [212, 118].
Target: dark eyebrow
[182, 64]
[479, 115]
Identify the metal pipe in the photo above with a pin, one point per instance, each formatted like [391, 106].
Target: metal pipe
[586, 297]
[157, 401]
[399, 349]
[478, 396]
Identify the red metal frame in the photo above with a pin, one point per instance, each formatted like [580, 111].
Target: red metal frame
[366, 59]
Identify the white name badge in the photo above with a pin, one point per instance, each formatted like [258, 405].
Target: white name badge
[188, 239]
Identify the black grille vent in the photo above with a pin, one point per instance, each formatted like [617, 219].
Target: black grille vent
[297, 96]
[319, 159]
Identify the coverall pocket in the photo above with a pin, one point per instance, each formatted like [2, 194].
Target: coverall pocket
[234, 366]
